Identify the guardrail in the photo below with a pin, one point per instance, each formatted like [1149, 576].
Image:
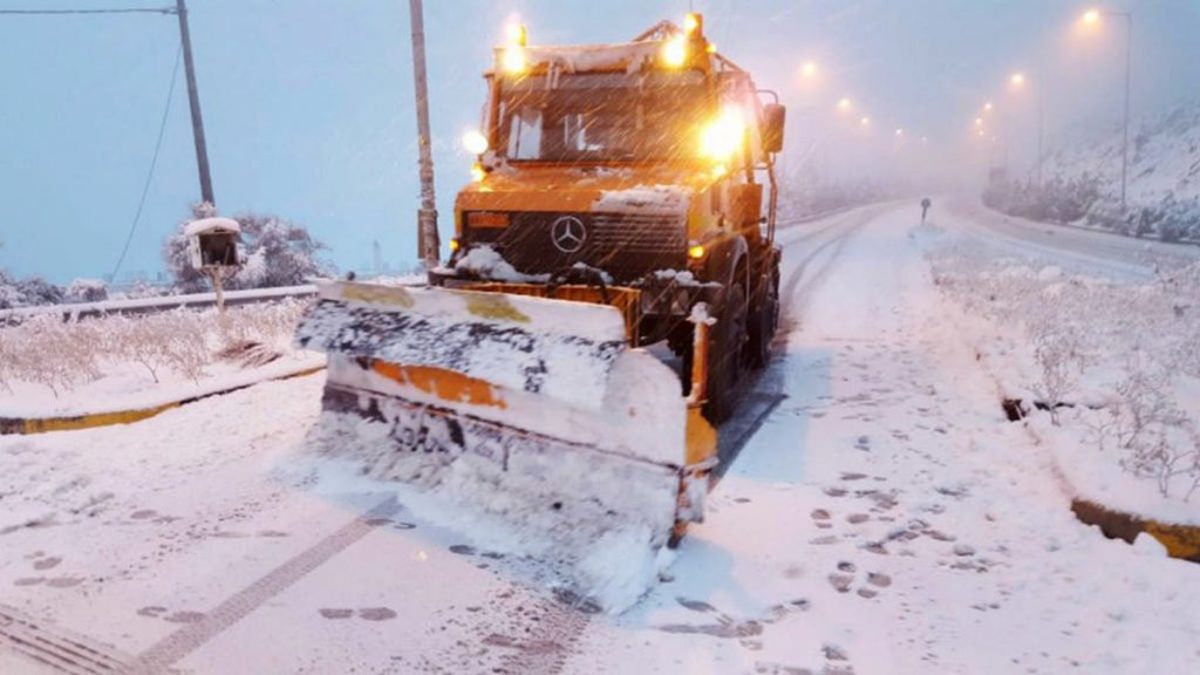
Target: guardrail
[155, 304]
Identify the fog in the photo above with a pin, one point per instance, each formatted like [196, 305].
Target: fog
[309, 105]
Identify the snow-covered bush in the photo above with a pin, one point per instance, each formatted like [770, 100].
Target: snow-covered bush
[1123, 357]
[86, 290]
[32, 290]
[275, 252]
[63, 354]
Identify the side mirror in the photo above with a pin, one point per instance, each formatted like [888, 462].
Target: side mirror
[774, 115]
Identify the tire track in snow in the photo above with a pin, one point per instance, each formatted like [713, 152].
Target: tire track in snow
[56, 648]
[160, 656]
[795, 294]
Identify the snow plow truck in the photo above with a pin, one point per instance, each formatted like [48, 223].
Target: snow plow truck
[623, 196]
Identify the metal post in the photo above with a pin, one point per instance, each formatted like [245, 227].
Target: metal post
[427, 215]
[1125, 125]
[1041, 113]
[206, 191]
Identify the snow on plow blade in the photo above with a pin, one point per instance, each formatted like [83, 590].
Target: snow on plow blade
[532, 408]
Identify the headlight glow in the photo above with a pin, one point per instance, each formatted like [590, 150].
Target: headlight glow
[723, 136]
[475, 142]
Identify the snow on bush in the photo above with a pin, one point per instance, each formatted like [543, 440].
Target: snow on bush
[86, 290]
[1115, 364]
[61, 354]
[32, 290]
[275, 252]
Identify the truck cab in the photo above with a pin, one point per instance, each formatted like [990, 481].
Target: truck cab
[647, 166]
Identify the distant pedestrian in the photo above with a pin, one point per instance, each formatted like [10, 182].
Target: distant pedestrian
[925, 204]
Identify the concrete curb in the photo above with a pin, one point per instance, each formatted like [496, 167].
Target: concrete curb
[22, 425]
[1181, 541]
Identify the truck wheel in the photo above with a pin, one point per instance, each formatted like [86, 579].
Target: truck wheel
[726, 345]
[764, 323]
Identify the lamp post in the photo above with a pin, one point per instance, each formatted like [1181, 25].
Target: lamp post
[1092, 17]
[1018, 81]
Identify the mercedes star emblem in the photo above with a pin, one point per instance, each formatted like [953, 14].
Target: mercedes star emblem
[568, 234]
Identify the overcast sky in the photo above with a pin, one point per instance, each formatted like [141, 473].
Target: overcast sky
[308, 103]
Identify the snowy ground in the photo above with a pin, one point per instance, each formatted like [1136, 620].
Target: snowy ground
[884, 518]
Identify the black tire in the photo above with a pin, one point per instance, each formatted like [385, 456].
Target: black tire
[726, 344]
[764, 322]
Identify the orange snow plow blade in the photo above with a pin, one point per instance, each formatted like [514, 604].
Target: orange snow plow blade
[541, 400]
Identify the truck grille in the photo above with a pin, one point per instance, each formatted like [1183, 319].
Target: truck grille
[627, 246]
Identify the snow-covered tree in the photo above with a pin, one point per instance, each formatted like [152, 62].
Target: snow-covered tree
[277, 253]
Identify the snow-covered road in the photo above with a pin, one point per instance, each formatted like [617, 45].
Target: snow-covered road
[883, 517]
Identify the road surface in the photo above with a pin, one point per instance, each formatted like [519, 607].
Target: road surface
[881, 516]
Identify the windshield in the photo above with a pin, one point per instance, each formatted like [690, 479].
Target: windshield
[601, 117]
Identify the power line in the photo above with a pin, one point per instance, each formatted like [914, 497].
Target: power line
[162, 126]
[118, 10]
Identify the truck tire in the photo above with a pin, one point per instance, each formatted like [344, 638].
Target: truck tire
[765, 321]
[726, 345]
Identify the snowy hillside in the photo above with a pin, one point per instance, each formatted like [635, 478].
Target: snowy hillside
[1083, 180]
[1164, 157]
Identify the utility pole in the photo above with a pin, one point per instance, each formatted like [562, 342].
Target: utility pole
[427, 233]
[206, 191]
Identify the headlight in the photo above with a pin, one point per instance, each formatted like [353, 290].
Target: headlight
[475, 142]
[723, 136]
[514, 60]
[674, 51]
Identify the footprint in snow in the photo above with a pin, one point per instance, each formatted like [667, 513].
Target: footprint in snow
[366, 613]
[847, 573]
[184, 617]
[696, 605]
[46, 563]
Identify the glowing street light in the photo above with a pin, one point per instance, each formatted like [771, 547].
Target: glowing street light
[987, 107]
[843, 105]
[865, 121]
[899, 132]
[978, 121]
[1091, 18]
[1017, 79]
[808, 70]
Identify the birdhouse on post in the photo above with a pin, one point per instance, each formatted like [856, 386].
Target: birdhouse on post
[213, 250]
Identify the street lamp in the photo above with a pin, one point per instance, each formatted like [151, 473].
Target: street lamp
[843, 105]
[864, 121]
[1092, 17]
[808, 70]
[1017, 80]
